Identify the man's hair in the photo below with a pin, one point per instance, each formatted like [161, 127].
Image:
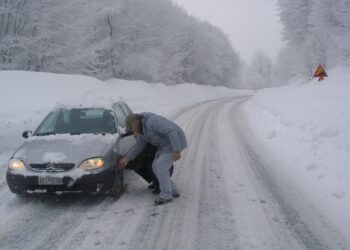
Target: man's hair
[130, 119]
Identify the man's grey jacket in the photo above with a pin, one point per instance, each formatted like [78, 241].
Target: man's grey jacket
[166, 135]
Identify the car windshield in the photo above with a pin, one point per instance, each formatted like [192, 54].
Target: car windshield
[77, 121]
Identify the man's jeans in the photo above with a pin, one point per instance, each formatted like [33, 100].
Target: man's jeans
[161, 166]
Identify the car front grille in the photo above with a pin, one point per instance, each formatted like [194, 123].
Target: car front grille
[52, 167]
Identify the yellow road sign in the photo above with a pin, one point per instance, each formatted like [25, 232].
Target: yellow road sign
[321, 73]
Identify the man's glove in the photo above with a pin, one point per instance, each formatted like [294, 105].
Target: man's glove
[123, 162]
[176, 155]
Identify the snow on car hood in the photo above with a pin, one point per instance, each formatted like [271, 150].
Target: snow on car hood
[63, 148]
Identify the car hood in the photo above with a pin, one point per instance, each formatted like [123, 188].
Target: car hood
[63, 148]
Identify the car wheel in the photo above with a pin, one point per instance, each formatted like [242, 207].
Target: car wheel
[118, 184]
[21, 194]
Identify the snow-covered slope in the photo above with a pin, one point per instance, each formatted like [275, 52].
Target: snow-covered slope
[305, 128]
[26, 97]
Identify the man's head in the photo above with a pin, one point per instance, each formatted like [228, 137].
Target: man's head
[133, 123]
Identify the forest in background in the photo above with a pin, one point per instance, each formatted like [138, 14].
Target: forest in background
[153, 40]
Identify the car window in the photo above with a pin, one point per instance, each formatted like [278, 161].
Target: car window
[48, 125]
[78, 121]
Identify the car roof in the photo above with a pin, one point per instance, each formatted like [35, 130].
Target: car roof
[107, 106]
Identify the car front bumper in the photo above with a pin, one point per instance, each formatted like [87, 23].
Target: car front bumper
[91, 182]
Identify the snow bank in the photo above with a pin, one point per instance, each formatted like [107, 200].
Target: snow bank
[306, 127]
[26, 97]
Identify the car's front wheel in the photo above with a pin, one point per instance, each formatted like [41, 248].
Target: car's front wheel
[118, 184]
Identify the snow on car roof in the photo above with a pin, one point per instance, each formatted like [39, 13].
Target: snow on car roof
[83, 106]
[63, 106]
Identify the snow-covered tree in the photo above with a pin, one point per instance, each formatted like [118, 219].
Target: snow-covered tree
[258, 73]
[284, 69]
[295, 17]
[152, 40]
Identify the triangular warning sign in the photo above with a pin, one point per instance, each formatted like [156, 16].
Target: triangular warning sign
[320, 72]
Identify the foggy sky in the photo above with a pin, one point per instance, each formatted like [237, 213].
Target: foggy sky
[250, 24]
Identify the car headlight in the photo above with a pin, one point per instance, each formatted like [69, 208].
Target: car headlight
[92, 163]
[16, 164]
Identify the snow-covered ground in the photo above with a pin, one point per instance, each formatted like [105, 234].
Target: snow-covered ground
[305, 129]
[267, 172]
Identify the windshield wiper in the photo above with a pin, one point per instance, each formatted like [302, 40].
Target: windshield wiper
[75, 133]
[46, 133]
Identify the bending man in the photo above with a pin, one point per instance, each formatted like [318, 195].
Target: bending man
[170, 140]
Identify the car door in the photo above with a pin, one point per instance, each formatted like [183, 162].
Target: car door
[126, 109]
[124, 143]
[120, 117]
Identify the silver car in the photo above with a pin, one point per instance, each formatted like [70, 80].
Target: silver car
[73, 149]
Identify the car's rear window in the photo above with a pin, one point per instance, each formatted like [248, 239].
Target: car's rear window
[78, 121]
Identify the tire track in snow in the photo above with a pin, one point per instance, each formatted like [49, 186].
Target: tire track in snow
[260, 222]
[301, 224]
[193, 226]
[217, 228]
[49, 221]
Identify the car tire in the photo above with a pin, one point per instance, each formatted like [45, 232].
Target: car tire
[21, 194]
[118, 184]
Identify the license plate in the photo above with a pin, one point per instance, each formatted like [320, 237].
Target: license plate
[48, 180]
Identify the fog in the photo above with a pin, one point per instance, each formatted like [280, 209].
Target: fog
[251, 24]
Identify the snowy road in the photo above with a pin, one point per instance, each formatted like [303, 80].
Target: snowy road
[229, 200]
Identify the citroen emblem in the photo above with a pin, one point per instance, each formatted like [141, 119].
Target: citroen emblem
[50, 167]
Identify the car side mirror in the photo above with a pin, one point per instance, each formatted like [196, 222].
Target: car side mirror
[27, 134]
[124, 143]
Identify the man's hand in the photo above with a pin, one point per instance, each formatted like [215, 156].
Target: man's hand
[123, 162]
[176, 156]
